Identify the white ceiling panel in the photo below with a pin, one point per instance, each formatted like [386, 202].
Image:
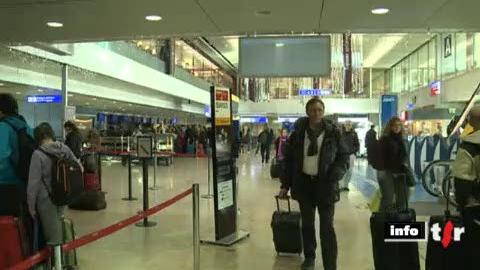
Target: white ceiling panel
[101, 20]
[240, 16]
[355, 16]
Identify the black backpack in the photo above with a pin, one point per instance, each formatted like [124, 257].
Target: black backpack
[26, 147]
[375, 154]
[66, 182]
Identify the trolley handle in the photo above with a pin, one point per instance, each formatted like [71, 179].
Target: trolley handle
[287, 198]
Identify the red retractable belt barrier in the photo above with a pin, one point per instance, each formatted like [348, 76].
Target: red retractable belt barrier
[89, 238]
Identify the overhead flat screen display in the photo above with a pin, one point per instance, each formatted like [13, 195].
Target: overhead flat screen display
[285, 56]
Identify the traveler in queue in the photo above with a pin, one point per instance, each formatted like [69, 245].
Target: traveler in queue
[74, 139]
[12, 187]
[353, 146]
[466, 165]
[40, 205]
[392, 179]
[316, 160]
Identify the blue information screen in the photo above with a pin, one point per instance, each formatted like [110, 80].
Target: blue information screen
[389, 108]
[45, 99]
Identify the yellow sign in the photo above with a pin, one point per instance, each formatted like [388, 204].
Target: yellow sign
[222, 107]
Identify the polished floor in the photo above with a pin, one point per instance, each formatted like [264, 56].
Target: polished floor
[169, 244]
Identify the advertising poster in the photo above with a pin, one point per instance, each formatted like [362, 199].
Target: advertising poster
[222, 107]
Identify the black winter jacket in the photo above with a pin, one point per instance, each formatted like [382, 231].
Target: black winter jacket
[74, 141]
[395, 153]
[332, 163]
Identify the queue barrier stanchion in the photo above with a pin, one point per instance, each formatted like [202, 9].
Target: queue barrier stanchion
[130, 196]
[57, 256]
[99, 169]
[196, 226]
[145, 222]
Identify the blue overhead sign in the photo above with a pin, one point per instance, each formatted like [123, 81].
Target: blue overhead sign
[314, 92]
[45, 99]
[388, 108]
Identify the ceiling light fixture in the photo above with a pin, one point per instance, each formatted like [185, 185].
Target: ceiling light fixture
[94, 98]
[88, 103]
[380, 11]
[263, 13]
[2, 84]
[18, 93]
[279, 45]
[70, 95]
[153, 18]
[55, 24]
[40, 90]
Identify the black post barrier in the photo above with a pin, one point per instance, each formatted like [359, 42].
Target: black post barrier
[145, 222]
[130, 196]
[99, 169]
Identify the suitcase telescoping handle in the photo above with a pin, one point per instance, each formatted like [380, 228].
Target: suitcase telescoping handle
[287, 198]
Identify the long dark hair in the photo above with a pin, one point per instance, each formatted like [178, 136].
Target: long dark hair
[387, 131]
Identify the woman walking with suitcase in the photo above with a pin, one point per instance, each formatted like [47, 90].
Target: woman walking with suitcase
[391, 180]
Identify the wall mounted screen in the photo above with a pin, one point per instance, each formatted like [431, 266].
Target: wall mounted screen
[285, 56]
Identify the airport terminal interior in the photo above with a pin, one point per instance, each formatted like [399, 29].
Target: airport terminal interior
[170, 94]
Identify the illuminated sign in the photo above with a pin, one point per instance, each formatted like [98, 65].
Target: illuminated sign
[314, 92]
[45, 99]
[435, 88]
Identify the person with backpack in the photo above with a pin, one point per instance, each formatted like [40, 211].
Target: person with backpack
[391, 162]
[16, 148]
[74, 139]
[465, 167]
[41, 194]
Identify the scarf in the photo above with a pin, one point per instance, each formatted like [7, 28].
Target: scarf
[313, 137]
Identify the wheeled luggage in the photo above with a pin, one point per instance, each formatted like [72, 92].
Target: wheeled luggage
[14, 243]
[453, 256]
[91, 181]
[287, 230]
[393, 255]
[69, 259]
[89, 200]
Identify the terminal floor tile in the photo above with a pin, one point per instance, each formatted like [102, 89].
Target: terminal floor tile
[169, 244]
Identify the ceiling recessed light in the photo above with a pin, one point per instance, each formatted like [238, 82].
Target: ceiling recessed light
[94, 98]
[40, 90]
[278, 45]
[130, 105]
[2, 84]
[70, 95]
[88, 103]
[153, 18]
[18, 93]
[55, 24]
[380, 11]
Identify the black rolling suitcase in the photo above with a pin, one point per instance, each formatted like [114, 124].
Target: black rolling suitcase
[454, 255]
[393, 255]
[287, 230]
